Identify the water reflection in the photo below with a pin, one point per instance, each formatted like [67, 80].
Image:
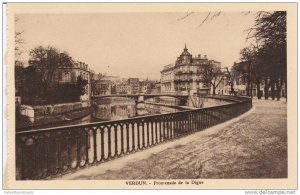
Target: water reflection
[115, 108]
[153, 108]
[107, 109]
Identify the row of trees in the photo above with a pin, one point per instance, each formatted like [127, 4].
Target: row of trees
[212, 76]
[38, 83]
[265, 60]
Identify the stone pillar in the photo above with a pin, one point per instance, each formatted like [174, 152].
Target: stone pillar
[28, 112]
[140, 105]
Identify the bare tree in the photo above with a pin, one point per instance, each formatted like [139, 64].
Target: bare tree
[19, 65]
[230, 78]
[212, 76]
[19, 42]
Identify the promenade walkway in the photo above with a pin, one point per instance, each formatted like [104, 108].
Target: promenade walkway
[253, 145]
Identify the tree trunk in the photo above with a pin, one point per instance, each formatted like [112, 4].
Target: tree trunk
[285, 85]
[251, 89]
[232, 88]
[248, 80]
[266, 88]
[258, 90]
[248, 87]
[278, 90]
[251, 83]
[273, 90]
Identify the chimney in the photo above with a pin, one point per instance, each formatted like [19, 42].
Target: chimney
[205, 56]
[199, 55]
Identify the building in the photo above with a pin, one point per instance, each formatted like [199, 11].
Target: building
[134, 84]
[103, 87]
[147, 85]
[156, 88]
[70, 75]
[186, 76]
[144, 86]
[123, 88]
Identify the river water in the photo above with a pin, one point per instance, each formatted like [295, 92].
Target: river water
[122, 108]
[116, 108]
[110, 109]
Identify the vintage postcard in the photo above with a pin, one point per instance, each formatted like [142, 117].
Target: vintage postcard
[151, 96]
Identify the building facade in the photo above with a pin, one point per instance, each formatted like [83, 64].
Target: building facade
[134, 84]
[70, 75]
[103, 87]
[186, 76]
[156, 88]
[123, 88]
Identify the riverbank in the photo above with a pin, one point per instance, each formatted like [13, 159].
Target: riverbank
[32, 117]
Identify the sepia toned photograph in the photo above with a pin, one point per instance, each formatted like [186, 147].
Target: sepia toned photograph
[153, 98]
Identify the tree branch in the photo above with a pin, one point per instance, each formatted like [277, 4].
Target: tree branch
[187, 15]
[205, 19]
[215, 15]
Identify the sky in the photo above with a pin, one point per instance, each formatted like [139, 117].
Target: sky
[136, 44]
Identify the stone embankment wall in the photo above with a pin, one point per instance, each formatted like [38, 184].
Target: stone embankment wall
[207, 101]
[158, 108]
[47, 114]
[210, 102]
[194, 102]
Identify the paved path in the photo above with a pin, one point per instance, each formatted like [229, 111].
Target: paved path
[251, 146]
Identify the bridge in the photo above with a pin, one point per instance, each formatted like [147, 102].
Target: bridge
[136, 96]
[142, 97]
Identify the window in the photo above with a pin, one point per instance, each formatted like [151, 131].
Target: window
[67, 77]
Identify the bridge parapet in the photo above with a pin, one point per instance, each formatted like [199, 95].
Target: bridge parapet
[137, 95]
[142, 97]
